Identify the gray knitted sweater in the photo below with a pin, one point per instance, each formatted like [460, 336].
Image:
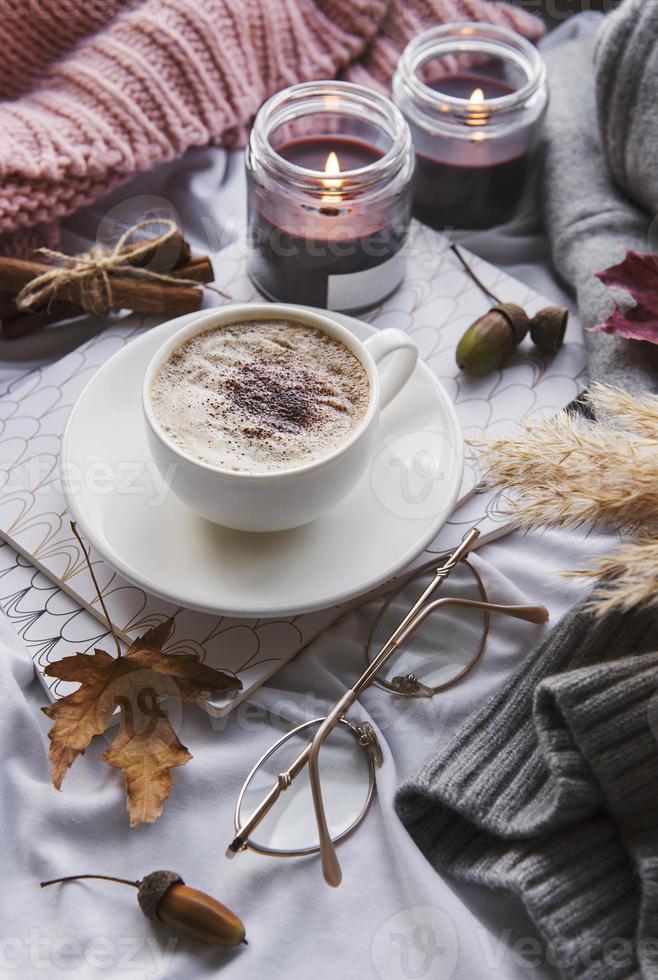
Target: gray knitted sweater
[550, 790]
[590, 219]
[626, 60]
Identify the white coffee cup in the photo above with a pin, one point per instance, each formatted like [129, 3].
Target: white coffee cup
[280, 499]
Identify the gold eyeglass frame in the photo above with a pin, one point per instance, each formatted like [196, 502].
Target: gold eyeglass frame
[417, 615]
[364, 734]
[409, 686]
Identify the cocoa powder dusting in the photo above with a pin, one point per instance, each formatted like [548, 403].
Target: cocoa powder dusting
[279, 399]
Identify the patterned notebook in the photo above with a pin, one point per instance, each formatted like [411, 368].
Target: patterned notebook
[44, 584]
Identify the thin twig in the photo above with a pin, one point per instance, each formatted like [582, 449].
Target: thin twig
[98, 591]
[476, 279]
[57, 881]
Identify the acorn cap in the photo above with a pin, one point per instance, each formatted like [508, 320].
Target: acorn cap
[152, 889]
[517, 318]
[548, 327]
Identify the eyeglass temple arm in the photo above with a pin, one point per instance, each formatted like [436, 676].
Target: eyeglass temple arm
[328, 857]
[330, 864]
[531, 614]
[311, 752]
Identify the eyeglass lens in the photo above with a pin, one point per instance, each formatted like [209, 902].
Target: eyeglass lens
[446, 644]
[347, 782]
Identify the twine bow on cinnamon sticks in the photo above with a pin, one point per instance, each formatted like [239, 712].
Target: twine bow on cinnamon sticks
[155, 275]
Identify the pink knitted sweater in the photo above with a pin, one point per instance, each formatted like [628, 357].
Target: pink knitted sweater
[93, 91]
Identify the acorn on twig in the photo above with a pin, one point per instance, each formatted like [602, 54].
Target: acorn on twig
[163, 895]
[489, 342]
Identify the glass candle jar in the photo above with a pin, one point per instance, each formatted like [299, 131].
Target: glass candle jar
[475, 97]
[329, 170]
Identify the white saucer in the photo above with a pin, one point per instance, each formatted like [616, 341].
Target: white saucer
[156, 542]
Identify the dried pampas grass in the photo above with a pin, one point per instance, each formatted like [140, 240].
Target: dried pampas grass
[568, 471]
[635, 415]
[628, 577]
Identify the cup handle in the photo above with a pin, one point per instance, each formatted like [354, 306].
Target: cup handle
[402, 356]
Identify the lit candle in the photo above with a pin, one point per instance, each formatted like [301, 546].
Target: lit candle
[329, 198]
[475, 96]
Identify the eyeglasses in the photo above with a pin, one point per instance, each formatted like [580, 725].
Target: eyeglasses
[322, 773]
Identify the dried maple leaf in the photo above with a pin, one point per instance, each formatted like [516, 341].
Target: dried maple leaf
[146, 747]
[194, 680]
[637, 275]
[146, 758]
[84, 713]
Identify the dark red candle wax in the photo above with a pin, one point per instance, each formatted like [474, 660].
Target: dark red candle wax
[312, 153]
[301, 253]
[464, 85]
[474, 193]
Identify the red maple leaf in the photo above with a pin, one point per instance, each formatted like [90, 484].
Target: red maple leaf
[637, 275]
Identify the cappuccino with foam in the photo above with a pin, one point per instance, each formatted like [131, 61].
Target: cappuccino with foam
[260, 396]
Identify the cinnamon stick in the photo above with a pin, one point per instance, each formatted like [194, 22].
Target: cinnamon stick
[16, 323]
[199, 269]
[127, 294]
[28, 323]
[159, 258]
[7, 306]
[173, 258]
[10, 311]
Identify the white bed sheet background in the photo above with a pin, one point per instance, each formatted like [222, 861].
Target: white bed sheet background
[297, 927]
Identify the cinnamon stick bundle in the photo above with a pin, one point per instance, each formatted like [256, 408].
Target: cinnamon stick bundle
[154, 292]
[127, 294]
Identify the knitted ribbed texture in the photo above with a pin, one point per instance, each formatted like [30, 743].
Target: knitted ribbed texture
[33, 35]
[405, 19]
[590, 222]
[627, 95]
[549, 790]
[113, 88]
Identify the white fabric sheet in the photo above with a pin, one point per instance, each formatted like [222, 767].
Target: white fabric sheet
[297, 926]
[393, 917]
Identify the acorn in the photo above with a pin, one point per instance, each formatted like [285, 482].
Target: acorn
[163, 895]
[487, 343]
[517, 317]
[548, 327]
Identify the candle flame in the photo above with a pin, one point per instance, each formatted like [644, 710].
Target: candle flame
[331, 103]
[477, 113]
[332, 169]
[332, 181]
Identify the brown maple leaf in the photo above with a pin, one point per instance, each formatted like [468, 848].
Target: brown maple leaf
[86, 712]
[146, 758]
[195, 681]
[146, 747]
